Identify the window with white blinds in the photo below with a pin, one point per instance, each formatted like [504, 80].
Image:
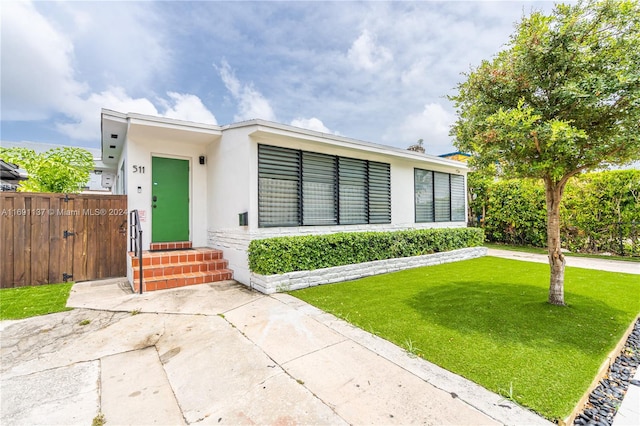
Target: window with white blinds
[353, 191]
[458, 197]
[278, 187]
[318, 189]
[304, 188]
[379, 192]
[439, 197]
[423, 181]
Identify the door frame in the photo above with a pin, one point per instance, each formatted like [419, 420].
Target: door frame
[189, 183]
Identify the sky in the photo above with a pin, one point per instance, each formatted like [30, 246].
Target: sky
[375, 71]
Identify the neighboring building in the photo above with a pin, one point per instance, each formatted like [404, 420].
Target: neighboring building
[223, 186]
[457, 156]
[100, 180]
[10, 176]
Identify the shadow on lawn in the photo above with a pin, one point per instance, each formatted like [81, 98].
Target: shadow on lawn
[512, 313]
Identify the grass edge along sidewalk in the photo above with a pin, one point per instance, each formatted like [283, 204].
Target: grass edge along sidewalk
[488, 320]
[26, 302]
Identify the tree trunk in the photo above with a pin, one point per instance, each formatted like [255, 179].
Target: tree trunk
[556, 258]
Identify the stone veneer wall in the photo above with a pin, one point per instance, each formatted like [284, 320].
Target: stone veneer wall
[234, 242]
[302, 279]
[239, 238]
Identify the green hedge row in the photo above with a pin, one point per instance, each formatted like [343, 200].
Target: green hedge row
[300, 253]
[517, 213]
[593, 206]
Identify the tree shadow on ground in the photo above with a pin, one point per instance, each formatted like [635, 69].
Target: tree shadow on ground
[514, 313]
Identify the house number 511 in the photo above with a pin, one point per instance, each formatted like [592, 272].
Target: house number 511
[138, 169]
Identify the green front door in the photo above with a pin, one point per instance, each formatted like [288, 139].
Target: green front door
[170, 200]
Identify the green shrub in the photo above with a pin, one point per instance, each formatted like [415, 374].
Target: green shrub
[593, 206]
[300, 253]
[516, 213]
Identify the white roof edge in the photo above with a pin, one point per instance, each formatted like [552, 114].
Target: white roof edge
[113, 114]
[143, 118]
[263, 125]
[273, 127]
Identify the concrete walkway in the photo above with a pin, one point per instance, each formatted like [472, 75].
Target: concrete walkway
[576, 262]
[222, 354]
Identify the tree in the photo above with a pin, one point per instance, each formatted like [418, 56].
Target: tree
[64, 169]
[563, 97]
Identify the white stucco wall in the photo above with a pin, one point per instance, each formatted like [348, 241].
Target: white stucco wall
[227, 184]
[233, 180]
[230, 173]
[139, 151]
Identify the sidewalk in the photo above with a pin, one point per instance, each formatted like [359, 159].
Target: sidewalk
[629, 412]
[222, 354]
[576, 262]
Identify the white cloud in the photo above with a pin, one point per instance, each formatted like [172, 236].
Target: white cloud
[366, 54]
[37, 75]
[251, 103]
[121, 43]
[375, 70]
[188, 107]
[38, 79]
[432, 125]
[312, 123]
[85, 115]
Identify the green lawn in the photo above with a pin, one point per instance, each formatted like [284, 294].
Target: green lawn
[25, 302]
[487, 319]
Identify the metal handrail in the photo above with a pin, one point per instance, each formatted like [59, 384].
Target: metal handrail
[135, 240]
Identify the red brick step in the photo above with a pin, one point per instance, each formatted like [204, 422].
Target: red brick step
[178, 268]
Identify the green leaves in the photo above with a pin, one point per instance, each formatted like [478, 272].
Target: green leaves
[64, 169]
[564, 96]
[593, 204]
[516, 212]
[300, 253]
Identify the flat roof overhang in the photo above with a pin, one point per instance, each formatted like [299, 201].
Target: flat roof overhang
[117, 127]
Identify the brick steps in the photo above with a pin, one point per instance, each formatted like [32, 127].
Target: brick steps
[178, 268]
[178, 245]
[151, 271]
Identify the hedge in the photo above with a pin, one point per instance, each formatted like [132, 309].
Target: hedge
[308, 252]
[517, 213]
[593, 206]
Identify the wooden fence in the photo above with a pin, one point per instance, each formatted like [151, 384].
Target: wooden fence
[50, 238]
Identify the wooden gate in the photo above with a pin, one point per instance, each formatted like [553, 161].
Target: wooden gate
[50, 238]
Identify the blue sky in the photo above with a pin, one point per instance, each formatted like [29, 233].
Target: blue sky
[375, 71]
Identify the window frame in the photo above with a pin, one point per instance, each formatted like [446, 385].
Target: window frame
[379, 213]
[452, 202]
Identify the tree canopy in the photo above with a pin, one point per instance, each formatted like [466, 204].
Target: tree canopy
[64, 169]
[563, 97]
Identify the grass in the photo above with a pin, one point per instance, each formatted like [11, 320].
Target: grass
[25, 302]
[538, 250]
[488, 320]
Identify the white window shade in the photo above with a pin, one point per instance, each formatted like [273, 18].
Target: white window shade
[278, 186]
[319, 189]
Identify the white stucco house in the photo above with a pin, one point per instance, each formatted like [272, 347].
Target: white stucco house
[203, 185]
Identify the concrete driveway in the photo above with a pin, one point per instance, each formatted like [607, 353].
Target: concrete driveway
[221, 354]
